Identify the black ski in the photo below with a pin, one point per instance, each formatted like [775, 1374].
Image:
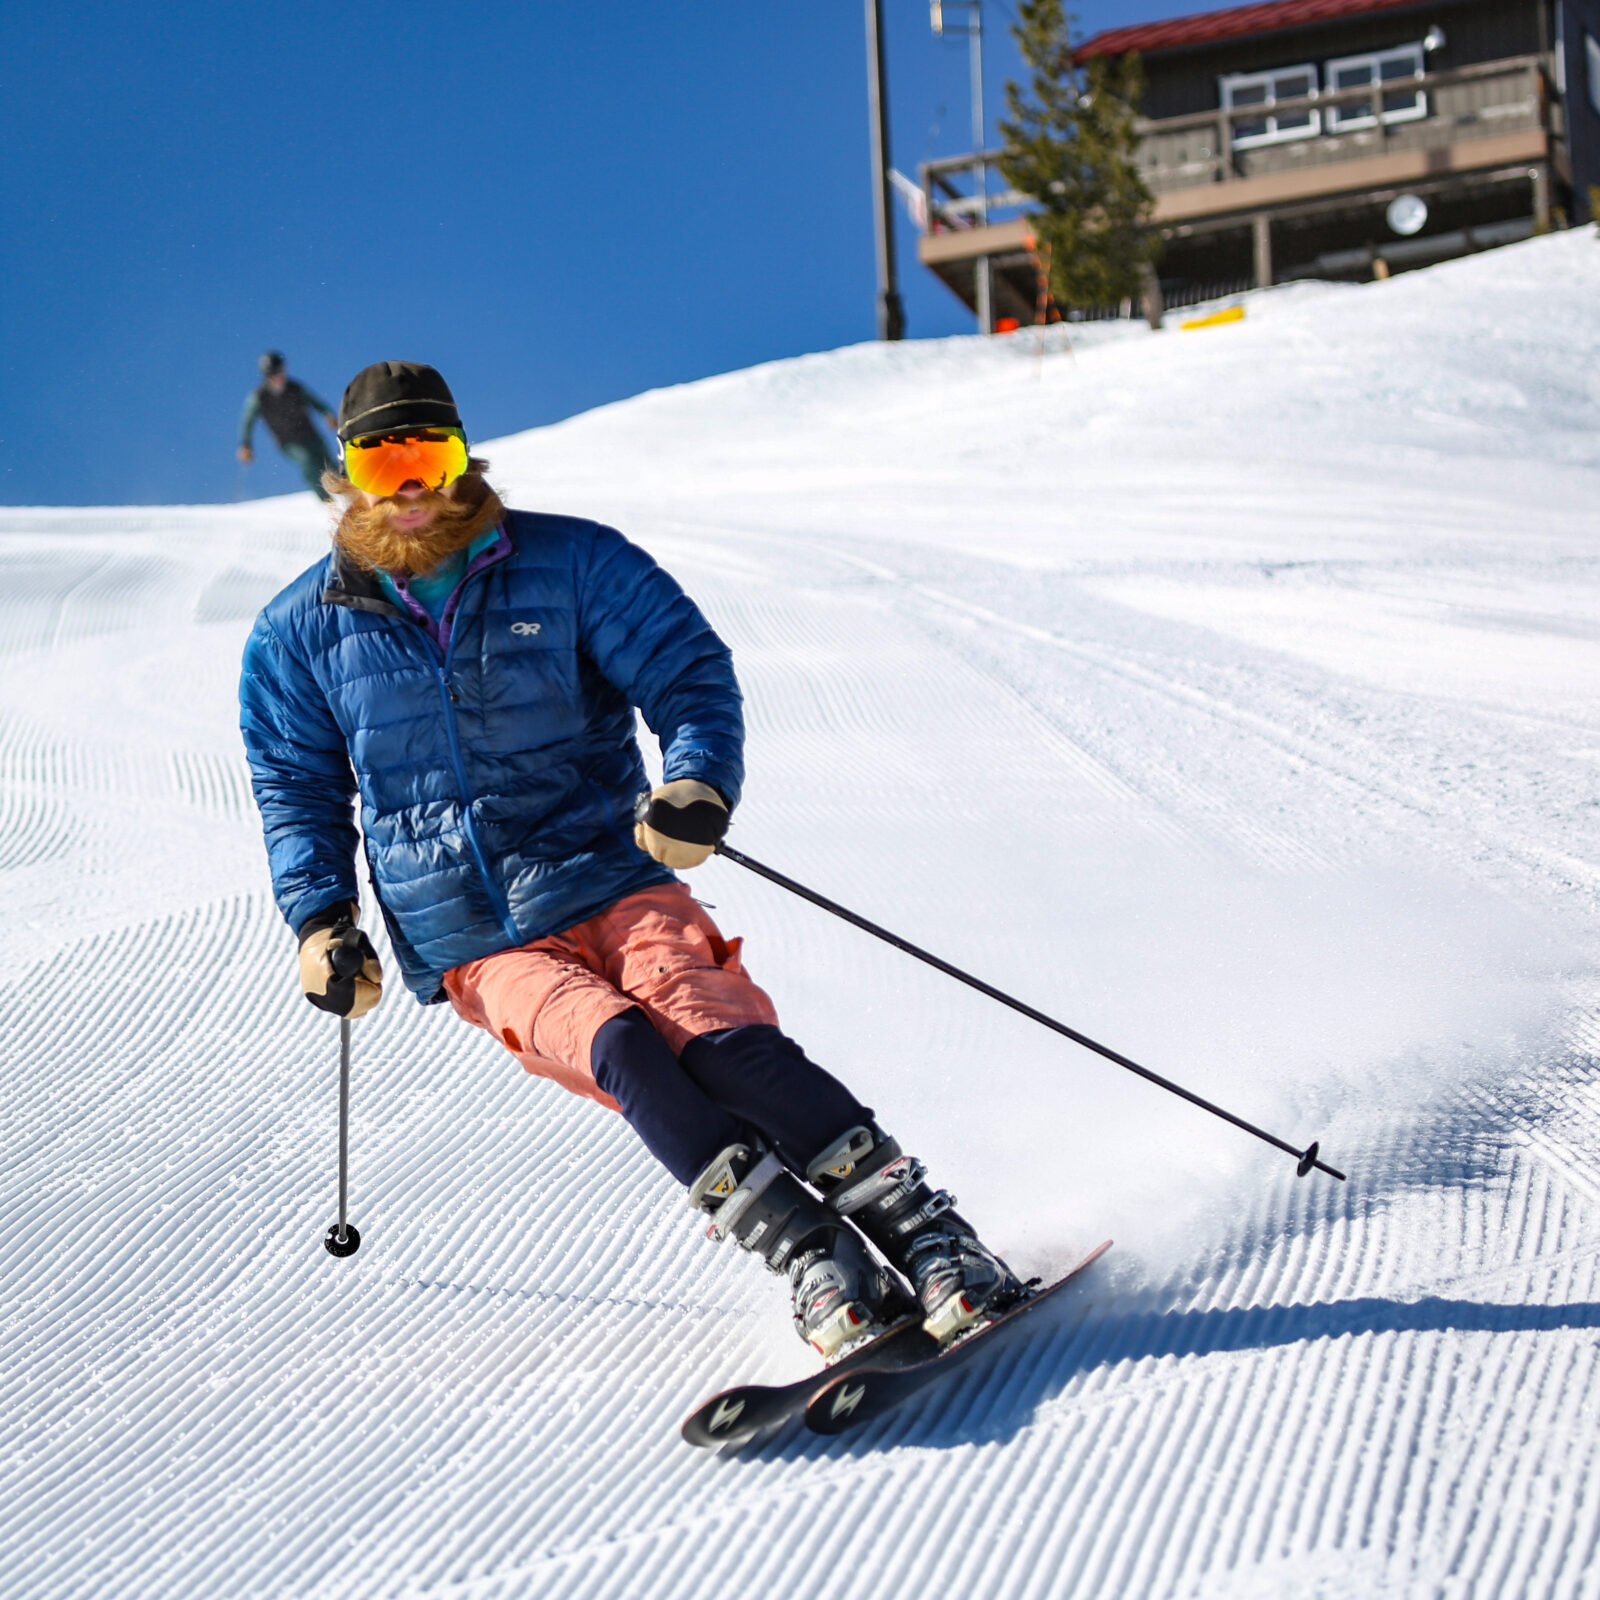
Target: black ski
[739, 1414]
[850, 1398]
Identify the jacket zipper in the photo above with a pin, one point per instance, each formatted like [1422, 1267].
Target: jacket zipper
[441, 670]
[501, 908]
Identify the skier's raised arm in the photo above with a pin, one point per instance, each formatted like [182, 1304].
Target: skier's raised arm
[305, 789]
[651, 640]
[301, 775]
[247, 426]
[312, 403]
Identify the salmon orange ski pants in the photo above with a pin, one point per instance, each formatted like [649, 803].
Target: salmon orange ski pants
[710, 1065]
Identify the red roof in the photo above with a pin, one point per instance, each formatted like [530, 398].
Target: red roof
[1231, 24]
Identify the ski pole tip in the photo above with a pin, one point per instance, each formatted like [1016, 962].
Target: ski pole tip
[1309, 1162]
[341, 1241]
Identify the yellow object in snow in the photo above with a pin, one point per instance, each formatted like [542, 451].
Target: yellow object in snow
[1232, 314]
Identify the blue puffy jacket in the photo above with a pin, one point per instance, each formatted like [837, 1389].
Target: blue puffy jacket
[497, 775]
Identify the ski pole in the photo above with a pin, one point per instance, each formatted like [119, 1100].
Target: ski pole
[342, 1239]
[1305, 1160]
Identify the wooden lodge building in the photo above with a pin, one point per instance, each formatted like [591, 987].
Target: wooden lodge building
[1278, 138]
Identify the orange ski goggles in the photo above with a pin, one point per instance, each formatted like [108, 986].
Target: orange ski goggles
[379, 463]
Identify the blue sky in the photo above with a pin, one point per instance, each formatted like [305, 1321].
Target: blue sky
[557, 203]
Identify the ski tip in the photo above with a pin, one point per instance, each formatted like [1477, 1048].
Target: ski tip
[739, 1414]
[718, 1421]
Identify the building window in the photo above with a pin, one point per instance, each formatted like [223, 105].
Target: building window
[1384, 66]
[1591, 51]
[1266, 89]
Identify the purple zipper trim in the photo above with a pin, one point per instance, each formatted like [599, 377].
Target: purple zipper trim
[439, 631]
[498, 551]
[419, 612]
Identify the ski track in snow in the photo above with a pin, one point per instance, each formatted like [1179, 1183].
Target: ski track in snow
[1263, 747]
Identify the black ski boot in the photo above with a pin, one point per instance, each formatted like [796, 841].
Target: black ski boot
[958, 1280]
[841, 1295]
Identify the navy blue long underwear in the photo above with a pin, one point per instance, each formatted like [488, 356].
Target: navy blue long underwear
[726, 1085]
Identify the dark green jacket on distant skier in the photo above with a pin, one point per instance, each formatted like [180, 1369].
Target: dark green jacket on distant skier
[289, 415]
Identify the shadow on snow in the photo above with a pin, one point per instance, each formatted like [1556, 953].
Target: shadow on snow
[993, 1400]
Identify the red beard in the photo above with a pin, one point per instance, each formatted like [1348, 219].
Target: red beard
[372, 539]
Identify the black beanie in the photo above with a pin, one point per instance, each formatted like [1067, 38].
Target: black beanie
[271, 363]
[390, 395]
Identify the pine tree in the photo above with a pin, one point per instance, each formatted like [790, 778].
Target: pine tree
[1071, 146]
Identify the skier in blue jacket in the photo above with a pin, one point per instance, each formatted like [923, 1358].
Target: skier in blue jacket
[470, 674]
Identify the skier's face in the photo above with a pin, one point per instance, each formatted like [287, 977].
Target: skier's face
[414, 529]
[412, 506]
[278, 381]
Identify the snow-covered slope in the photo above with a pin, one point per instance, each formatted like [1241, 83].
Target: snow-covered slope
[1230, 694]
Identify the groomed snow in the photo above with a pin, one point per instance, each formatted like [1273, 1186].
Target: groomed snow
[1230, 694]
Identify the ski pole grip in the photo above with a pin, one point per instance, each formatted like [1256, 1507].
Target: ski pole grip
[699, 822]
[345, 955]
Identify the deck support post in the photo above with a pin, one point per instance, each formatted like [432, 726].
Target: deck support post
[1261, 229]
[983, 293]
[1541, 197]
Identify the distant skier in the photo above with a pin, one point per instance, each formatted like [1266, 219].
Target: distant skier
[286, 407]
[478, 668]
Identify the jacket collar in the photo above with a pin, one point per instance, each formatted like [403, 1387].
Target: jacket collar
[350, 584]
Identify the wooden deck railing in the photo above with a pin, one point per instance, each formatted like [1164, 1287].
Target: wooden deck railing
[1466, 103]
[1175, 153]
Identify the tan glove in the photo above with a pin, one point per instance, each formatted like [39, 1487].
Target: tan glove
[680, 823]
[246, 454]
[352, 996]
